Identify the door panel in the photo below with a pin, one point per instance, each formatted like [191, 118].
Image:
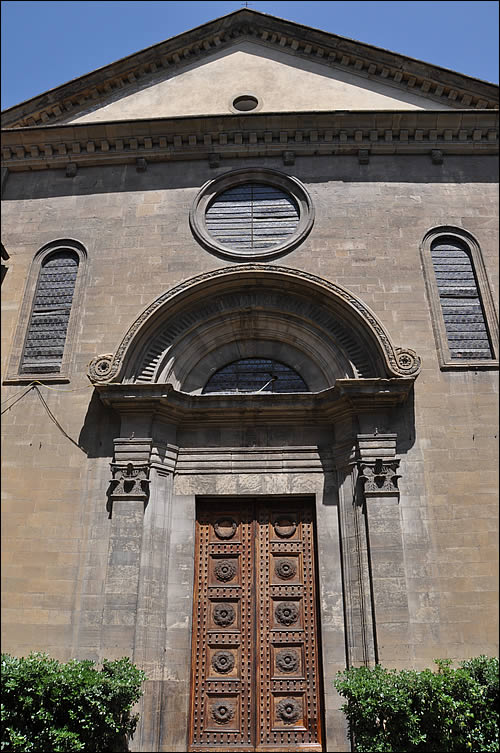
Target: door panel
[254, 670]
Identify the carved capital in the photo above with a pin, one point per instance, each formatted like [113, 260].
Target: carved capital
[131, 480]
[379, 477]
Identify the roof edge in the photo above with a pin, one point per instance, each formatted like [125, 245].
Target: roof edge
[174, 53]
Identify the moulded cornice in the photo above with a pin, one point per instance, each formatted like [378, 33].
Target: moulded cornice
[362, 133]
[126, 75]
[348, 397]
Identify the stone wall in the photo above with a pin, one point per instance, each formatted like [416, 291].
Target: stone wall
[370, 221]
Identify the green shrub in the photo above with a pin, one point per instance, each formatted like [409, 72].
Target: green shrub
[449, 710]
[51, 706]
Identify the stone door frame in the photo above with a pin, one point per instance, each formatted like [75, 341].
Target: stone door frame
[149, 580]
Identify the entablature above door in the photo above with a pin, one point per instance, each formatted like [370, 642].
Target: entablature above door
[347, 398]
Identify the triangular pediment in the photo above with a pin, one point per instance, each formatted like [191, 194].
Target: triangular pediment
[286, 66]
[279, 82]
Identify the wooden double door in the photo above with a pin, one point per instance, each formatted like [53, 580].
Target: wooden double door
[255, 677]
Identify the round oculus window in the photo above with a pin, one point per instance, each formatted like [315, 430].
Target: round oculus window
[252, 217]
[252, 214]
[245, 103]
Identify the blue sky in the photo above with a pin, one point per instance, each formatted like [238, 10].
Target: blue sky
[45, 44]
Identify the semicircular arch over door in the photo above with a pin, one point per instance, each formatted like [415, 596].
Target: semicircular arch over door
[318, 328]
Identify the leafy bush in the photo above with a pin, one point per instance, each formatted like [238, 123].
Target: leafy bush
[51, 706]
[448, 710]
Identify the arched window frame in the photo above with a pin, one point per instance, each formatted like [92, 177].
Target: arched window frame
[249, 362]
[462, 236]
[15, 375]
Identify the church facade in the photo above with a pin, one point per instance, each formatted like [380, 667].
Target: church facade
[250, 375]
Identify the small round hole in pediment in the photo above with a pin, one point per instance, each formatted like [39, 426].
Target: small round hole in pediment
[245, 103]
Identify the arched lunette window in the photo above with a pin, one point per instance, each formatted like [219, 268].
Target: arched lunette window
[255, 375]
[461, 302]
[47, 323]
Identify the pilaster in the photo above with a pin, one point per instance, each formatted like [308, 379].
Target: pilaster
[355, 561]
[128, 497]
[153, 603]
[378, 487]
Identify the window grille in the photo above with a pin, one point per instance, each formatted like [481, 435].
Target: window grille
[460, 301]
[44, 344]
[256, 375]
[252, 217]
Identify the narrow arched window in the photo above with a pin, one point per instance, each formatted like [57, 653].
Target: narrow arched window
[256, 375]
[461, 302]
[48, 326]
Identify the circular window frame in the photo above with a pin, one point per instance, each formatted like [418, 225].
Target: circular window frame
[237, 96]
[213, 188]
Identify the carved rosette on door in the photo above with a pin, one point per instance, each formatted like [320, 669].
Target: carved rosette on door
[255, 651]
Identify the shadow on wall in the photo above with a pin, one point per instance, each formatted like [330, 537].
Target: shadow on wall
[400, 421]
[403, 424]
[115, 179]
[100, 427]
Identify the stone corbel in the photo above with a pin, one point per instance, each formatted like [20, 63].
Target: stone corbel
[379, 477]
[437, 156]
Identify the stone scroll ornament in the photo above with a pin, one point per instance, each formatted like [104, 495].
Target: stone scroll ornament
[288, 710]
[408, 362]
[225, 570]
[222, 712]
[223, 662]
[99, 369]
[287, 613]
[224, 615]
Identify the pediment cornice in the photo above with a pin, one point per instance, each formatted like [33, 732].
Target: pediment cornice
[366, 61]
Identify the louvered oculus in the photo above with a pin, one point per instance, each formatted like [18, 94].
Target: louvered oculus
[252, 214]
[253, 217]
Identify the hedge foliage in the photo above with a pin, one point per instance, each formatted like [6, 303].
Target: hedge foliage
[51, 706]
[447, 710]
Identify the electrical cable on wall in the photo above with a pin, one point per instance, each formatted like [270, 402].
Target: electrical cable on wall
[34, 386]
